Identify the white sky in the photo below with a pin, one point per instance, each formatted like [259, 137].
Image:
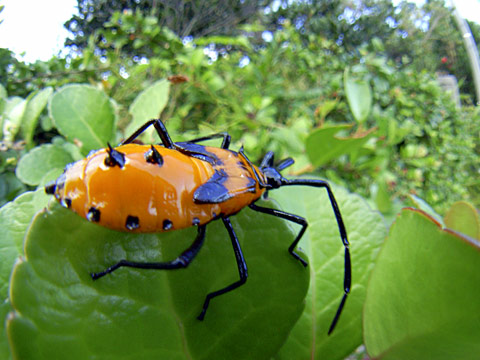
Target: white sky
[36, 26]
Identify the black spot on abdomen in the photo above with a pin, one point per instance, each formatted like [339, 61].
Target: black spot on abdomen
[93, 214]
[132, 222]
[167, 225]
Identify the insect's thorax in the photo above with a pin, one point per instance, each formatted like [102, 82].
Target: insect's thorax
[148, 197]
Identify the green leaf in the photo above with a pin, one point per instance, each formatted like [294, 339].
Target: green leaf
[148, 104]
[359, 96]
[33, 109]
[147, 314]
[14, 220]
[323, 145]
[464, 218]
[84, 114]
[366, 232]
[39, 161]
[423, 295]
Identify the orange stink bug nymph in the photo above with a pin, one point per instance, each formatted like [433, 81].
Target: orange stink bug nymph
[182, 184]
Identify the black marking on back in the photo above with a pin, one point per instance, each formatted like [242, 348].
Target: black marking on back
[67, 202]
[93, 214]
[167, 225]
[213, 191]
[132, 222]
[50, 187]
[152, 156]
[114, 158]
[198, 151]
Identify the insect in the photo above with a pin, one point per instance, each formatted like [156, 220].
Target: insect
[155, 188]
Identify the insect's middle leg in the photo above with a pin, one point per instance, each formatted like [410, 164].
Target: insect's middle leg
[161, 131]
[242, 269]
[224, 135]
[290, 217]
[180, 262]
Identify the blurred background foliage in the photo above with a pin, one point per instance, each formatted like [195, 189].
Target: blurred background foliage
[347, 88]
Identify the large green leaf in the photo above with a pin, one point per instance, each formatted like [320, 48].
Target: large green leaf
[60, 312]
[366, 231]
[35, 164]
[15, 218]
[148, 105]
[84, 114]
[423, 299]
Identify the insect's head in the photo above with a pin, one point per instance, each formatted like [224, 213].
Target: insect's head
[272, 172]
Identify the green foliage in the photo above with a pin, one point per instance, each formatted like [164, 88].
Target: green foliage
[422, 299]
[183, 18]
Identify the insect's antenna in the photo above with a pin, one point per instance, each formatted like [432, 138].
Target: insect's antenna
[284, 164]
[347, 279]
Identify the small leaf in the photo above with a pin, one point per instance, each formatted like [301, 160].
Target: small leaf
[60, 312]
[359, 96]
[39, 161]
[423, 296]
[148, 104]
[33, 110]
[366, 232]
[464, 218]
[3, 100]
[85, 114]
[323, 145]
[14, 109]
[15, 218]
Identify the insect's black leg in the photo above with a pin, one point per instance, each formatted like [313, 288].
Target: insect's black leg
[290, 217]
[225, 143]
[242, 269]
[161, 130]
[180, 262]
[347, 279]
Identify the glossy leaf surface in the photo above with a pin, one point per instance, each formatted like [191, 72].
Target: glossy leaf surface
[133, 314]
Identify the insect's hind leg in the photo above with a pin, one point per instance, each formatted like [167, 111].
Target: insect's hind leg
[161, 131]
[242, 269]
[290, 217]
[180, 262]
[347, 278]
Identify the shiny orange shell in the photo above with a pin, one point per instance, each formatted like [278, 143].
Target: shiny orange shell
[142, 196]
